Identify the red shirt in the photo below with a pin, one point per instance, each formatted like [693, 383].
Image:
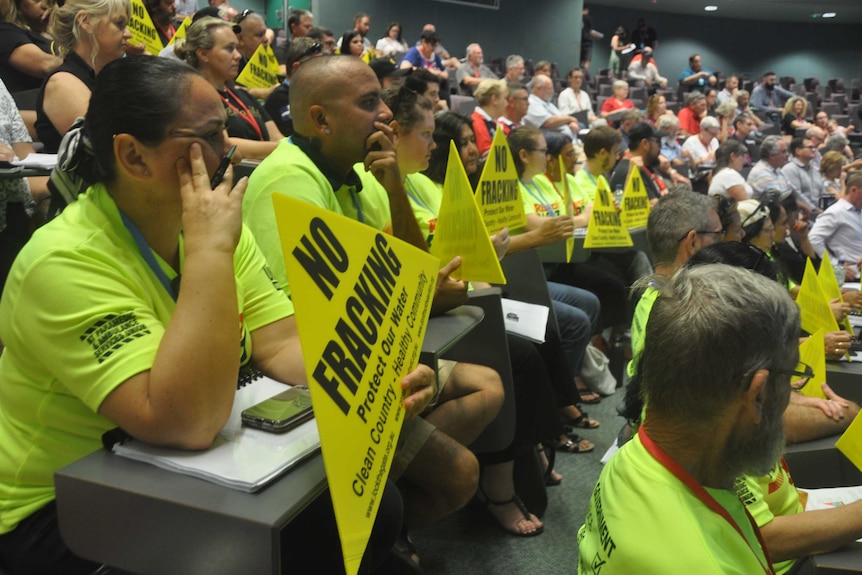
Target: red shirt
[688, 122]
[612, 105]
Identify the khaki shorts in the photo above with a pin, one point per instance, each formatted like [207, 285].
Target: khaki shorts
[416, 430]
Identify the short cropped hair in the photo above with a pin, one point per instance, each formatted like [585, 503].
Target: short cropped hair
[672, 217]
[487, 89]
[513, 60]
[769, 146]
[601, 138]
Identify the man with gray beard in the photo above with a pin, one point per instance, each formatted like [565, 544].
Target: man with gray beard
[665, 503]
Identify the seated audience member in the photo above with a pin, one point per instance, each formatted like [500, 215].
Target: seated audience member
[473, 71]
[743, 106]
[692, 114]
[517, 105]
[361, 24]
[392, 44]
[628, 118]
[831, 168]
[163, 14]
[449, 60]
[19, 193]
[169, 51]
[725, 114]
[560, 146]
[335, 151]
[619, 100]
[90, 35]
[351, 45]
[250, 30]
[514, 69]
[696, 77]
[727, 179]
[601, 147]
[573, 99]
[793, 116]
[413, 125]
[728, 213]
[711, 95]
[277, 105]
[656, 107]
[492, 97]
[299, 23]
[766, 173]
[743, 128]
[643, 67]
[388, 74]
[672, 157]
[802, 175]
[542, 113]
[542, 68]
[325, 37]
[839, 227]
[769, 95]
[818, 139]
[26, 56]
[211, 48]
[425, 56]
[173, 383]
[731, 87]
[644, 148]
[702, 146]
[425, 83]
[838, 142]
[729, 414]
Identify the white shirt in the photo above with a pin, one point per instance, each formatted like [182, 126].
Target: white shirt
[695, 145]
[838, 229]
[540, 111]
[725, 179]
[570, 103]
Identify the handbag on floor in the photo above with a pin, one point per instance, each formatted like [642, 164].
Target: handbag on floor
[596, 371]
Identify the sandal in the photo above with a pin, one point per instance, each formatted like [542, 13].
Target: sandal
[576, 444]
[589, 396]
[547, 456]
[513, 528]
[583, 421]
[405, 555]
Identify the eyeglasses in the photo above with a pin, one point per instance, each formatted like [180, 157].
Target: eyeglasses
[804, 376]
[312, 50]
[720, 232]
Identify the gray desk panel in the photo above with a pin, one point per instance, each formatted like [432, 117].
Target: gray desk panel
[818, 463]
[847, 559]
[143, 519]
[845, 379]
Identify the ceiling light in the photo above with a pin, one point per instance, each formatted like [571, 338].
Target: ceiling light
[829, 14]
[710, 8]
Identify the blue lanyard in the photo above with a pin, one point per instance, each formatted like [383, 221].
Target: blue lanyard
[590, 176]
[539, 198]
[148, 255]
[414, 196]
[358, 205]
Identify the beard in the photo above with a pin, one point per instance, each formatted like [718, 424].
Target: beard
[756, 452]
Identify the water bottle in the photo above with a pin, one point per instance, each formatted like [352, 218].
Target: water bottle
[618, 196]
[840, 272]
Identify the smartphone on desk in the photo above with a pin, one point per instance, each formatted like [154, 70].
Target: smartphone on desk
[280, 413]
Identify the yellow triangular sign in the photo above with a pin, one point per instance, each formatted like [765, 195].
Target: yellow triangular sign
[143, 30]
[362, 302]
[181, 31]
[460, 231]
[813, 353]
[258, 72]
[850, 442]
[498, 194]
[829, 284]
[570, 207]
[814, 308]
[635, 208]
[606, 229]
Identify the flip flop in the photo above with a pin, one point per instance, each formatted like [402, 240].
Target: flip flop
[589, 396]
[572, 446]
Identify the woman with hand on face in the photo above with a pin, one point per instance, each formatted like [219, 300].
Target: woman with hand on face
[90, 35]
[156, 129]
[26, 55]
[211, 48]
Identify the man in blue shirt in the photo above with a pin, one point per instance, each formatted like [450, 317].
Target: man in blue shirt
[696, 77]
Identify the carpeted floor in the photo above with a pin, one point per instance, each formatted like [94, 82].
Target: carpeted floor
[470, 542]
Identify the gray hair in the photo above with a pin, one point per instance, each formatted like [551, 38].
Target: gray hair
[513, 61]
[673, 216]
[667, 123]
[709, 122]
[836, 142]
[710, 329]
[726, 108]
[471, 47]
[769, 147]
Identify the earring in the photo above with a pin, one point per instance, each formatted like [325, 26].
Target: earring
[146, 172]
[327, 131]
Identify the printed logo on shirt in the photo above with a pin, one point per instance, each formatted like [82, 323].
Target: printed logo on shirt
[543, 211]
[112, 332]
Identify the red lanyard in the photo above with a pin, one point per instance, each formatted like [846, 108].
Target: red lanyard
[662, 187]
[676, 469]
[170, 29]
[243, 113]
